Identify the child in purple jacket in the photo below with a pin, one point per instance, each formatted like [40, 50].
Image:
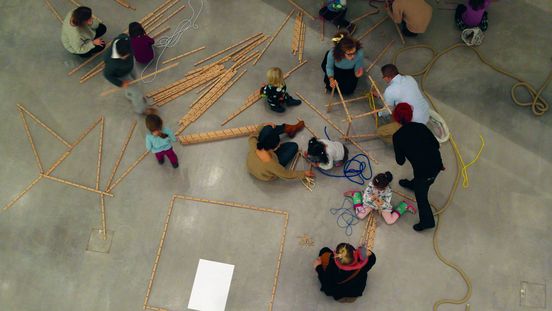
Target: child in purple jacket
[472, 15]
[141, 43]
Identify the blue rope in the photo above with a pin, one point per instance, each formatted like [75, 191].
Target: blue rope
[346, 218]
[351, 173]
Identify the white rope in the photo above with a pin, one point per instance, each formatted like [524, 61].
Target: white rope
[173, 39]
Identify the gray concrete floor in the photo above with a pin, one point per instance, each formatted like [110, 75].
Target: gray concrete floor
[498, 230]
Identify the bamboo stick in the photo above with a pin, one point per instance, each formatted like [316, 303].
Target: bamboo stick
[374, 85]
[301, 9]
[376, 11]
[218, 135]
[132, 166]
[368, 113]
[22, 193]
[274, 36]
[92, 73]
[380, 54]
[405, 196]
[373, 27]
[100, 147]
[103, 230]
[157, 13]
[113, 90]
[225, 50]
[88, 61]
[249, 48]
[207, 86]
[225, 78]
[278, 262]
[31, 141]
[53, 10]
[371, 135]
[179, 91]
[155, 35]
[186, 78]
[121, 154]
[328, 106]
[297, 28]
[247, 59]
[292, 70]
[302, 42]
[124, 4]
[399, 32]
[167, 19]
[70, 183]
[58, 162]
[63, 141]
[183, 55]
[344, 104]
[156, 10]
[362, 150]
[349, 100]
[151, 21]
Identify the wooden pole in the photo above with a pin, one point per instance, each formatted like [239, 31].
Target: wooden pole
[302, 42]
[53, 10]
[88, 61]
[183, 55]
[376, 11]
[152, 28]
[226, 49]
[70, 183]
[63, 141]
[22, 193]
[349, 100]
[329, 106]
[132, 166]
[157, 13]
[124, 4]
[31, 141]
[379, 94]
[100, 147]
[297, 28]
[103, 230]
[274, 36]
[157, 34]
[368, 113]
[218, 135]
[301, 9]
[92, 73]
[121, 154]
[113, 90]
[371, 135]
[388, 8]
[380, 54]
[344, 104]
[372, 28]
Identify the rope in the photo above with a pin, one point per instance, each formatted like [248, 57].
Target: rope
[349, 172]
[461, 166]
[174, 38]
[346, 218]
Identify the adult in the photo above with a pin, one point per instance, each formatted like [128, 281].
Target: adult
[343, 273]
[119, 64]
[335, 11]
[415, 142]
[401, 89]
[472, 15]
[267, 158]
[343, 64]
[81, 32]
[413, 16]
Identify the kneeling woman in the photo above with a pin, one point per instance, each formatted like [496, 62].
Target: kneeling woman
[343, 273]
[267, 158]
[343, 64]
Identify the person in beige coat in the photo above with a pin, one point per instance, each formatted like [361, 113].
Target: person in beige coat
[81, 32]
[413, 15]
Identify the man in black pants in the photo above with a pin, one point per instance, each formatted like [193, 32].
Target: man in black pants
[415, 142]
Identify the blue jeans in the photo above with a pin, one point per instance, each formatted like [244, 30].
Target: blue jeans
[286, 152]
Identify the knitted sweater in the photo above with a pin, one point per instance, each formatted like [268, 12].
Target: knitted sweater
[415, 13]
[344, 63]
[157, 144]
[116, 68]
[78, 40]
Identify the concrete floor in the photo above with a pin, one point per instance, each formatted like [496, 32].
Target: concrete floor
[498, 230]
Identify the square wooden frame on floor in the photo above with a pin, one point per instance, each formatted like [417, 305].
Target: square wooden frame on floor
[147, 306]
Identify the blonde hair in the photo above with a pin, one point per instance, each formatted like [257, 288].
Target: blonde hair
[344, 253]
[275, 77]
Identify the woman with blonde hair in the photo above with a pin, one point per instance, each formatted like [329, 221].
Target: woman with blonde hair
[275, 91]
[343, 64]
[343, 273]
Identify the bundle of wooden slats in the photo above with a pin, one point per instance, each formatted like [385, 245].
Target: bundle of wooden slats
[217, 135]
[150, 22]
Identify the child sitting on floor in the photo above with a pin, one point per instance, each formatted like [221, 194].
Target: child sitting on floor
[275, 91]
[326, 154]
[377, 196]
[141, 43]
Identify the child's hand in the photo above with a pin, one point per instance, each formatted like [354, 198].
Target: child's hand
[156, 132]
[359, 72]
[317, 262]
[333, 82]
[309, 174]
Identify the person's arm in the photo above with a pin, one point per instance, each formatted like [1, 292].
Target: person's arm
[330, 62]
[170, 133]
[359, 63]
[399, 154]
[397, 12]
[275, 168]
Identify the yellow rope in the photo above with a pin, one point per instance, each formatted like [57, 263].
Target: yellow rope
[372, 104]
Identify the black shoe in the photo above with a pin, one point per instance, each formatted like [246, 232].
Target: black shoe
[419, 227]
[161, 161]
[277, 108]
[292, 101]
[175, 165]
[405, 183]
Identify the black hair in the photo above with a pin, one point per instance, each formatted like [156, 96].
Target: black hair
[382, 180]
[316, 151]
[135, 29]
[123, 46]
[268, 139]
[81, 15]
[345, 43]
[477, 4]
[154, 123]
[389, 71]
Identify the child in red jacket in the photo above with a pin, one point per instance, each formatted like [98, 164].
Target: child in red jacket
[141, 43]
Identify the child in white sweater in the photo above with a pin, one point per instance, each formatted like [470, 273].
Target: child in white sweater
[326, 153]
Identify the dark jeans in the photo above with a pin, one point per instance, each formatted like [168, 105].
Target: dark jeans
[421, 185]
[286, 152]
[100, 31]
[345, 77]
[337, 18]
[407, 32]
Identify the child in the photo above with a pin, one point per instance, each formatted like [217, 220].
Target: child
[472, 15]
[335, 11]
[275, 91]
[326, 153]
[141, 43]
[159, 140]
[377, 196]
